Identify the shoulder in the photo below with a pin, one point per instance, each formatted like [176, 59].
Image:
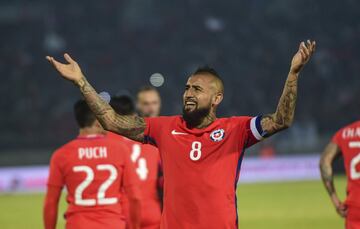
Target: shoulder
[161, 121]
[60, 153]
[242, 121]
[163, 118]
[348, 129]
[118, 142]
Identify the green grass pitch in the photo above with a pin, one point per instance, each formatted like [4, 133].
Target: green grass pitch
[295, 205]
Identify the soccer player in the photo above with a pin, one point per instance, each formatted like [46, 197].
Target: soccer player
[94, 170]
[148, 102]
[147, 164]
[201, 154]
[345, 143]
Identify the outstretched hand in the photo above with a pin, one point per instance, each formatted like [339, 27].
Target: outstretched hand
[302, 56]
[70, 71]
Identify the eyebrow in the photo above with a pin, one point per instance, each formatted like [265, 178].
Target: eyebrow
[197, 87]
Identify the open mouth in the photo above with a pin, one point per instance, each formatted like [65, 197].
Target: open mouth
[190, 104]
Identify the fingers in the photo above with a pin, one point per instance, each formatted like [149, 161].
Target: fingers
[54, 62]
[68, 58]
[305, 49]
[311, 45]
[51, 60]
[303, 54]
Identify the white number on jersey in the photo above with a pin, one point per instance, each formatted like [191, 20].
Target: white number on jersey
[101, 199]
[141, 169]
[354, 162]
[195, 152]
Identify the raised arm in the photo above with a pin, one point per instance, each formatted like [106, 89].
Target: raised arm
[128, 126]
[328, 156]
[284, 114]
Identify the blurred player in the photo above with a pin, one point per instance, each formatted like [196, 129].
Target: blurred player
[148, 102]
[146, 159]
[200, 153]
[94, 170]
[345, 143]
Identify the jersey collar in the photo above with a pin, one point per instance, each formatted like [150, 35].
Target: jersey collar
[195, 131]
[90, 136]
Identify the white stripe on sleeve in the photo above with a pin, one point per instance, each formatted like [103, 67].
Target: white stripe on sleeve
[254, 129]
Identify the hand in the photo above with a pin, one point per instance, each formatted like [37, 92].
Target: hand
[302, 56]
[70, 71]
[340, 207]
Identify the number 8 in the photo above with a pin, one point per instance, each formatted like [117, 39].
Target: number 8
[195, 152]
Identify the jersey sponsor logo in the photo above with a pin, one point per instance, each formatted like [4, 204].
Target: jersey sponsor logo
[217, 135]
[174, 132]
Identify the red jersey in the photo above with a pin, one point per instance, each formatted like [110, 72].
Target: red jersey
[94, 170]
[201, 169]
[146, 159]
[348, 140]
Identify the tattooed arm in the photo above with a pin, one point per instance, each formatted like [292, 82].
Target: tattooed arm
[284, 114]
[128, 126]
[328, 156]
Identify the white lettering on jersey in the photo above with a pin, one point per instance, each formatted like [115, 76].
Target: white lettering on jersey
[351, 133]
[92, 152]
[174, 132]
[141, 170]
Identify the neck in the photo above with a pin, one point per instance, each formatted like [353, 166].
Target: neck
[91, 131]
[206, 121]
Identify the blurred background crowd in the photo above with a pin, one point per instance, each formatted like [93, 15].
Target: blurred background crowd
[120, 43]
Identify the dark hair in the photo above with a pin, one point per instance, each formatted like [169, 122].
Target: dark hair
[83, 115]
[211, 71]
[146, 89]
[123, 105]
[208, 70]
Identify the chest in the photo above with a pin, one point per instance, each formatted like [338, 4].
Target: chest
[208, 147]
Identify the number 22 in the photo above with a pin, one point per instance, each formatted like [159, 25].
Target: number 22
[101, 199]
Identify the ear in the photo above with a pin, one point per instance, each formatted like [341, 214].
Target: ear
[218, 98]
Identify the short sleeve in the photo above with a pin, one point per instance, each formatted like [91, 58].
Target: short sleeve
[253, 130]
[153, 130]
[337, 138]
[56, 177]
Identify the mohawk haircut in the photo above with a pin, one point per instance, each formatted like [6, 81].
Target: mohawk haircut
[208, 70]
[211, 71]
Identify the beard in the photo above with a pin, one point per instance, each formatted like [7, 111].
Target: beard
[195, 117]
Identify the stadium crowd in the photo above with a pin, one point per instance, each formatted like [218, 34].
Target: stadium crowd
[121, 43]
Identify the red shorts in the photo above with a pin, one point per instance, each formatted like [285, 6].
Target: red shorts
[353, 218]
[82, 221]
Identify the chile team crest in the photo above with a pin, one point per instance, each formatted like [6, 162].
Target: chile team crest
[217, 135]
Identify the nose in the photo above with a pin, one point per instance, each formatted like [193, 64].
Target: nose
[189, 93]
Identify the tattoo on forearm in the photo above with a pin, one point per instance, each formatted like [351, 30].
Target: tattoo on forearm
[327, 177]
[328, 156]
[284, 114]
[129, 126]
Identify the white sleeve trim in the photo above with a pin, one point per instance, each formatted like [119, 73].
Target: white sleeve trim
[254, 129]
